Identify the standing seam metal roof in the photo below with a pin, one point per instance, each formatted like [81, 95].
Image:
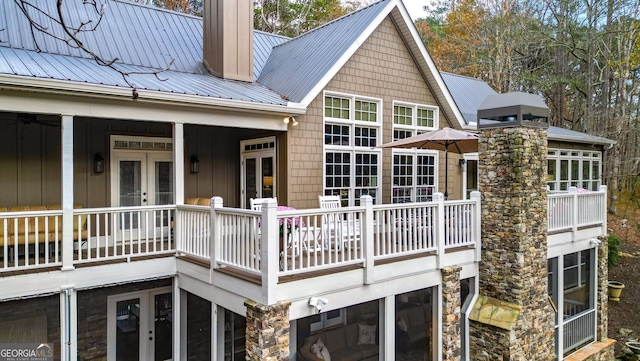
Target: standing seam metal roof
[143, 38]
[297, 65]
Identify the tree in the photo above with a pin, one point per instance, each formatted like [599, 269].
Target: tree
[294, 17]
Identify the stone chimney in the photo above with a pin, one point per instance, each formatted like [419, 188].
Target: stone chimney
[228, 38]
[512, 318]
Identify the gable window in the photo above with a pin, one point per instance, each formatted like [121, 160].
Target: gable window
[414, 170]
[573, 168]
[352, 128]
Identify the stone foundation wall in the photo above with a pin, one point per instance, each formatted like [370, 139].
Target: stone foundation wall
[267, 336]
[513, 269]
[451, 346]
[603, 290]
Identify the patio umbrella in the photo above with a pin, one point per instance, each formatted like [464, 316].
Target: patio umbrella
[441, 139]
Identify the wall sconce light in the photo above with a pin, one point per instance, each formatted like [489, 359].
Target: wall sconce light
[98, 163]
[463, 164]
[293, 121]
[194, 165]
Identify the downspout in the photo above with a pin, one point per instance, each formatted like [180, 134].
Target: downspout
[67, 322]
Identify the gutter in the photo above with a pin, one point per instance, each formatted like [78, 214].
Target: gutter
[64, 87]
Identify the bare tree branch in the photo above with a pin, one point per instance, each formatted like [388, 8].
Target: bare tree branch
[72, 33]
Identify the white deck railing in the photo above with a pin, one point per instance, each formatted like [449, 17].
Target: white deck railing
[295, 241]
[308, 239]
[193, 231]
[124, 232]
[569, 211]
[30, 239]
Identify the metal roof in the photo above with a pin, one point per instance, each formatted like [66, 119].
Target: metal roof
[470, 93]
[296, 66]
[143, 38]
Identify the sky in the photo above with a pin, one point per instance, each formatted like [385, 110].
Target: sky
[415, 8]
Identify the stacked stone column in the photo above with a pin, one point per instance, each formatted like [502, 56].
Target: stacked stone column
[267, 335]
[603, 289]
[513, 319]
[451, 313]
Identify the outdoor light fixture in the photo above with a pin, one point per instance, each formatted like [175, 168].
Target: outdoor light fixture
[463, 165]
[194, 165]
[98, 163]
[293, 121]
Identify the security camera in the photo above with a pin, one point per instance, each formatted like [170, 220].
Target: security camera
[317, 303]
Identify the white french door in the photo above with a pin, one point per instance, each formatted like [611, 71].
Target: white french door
[139, 325]
[258, 169]
[141, 175]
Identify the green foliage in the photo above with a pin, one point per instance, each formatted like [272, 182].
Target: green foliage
[614, 250]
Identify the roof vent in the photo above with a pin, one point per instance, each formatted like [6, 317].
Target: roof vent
[513, 110]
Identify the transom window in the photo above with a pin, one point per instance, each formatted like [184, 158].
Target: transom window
[352, 126]
[414, 170]
[573, 168]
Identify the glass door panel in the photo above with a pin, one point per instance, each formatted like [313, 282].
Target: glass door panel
[130, 183]
[267, 177]
[250, 182]
[127, 316]
[163, 320]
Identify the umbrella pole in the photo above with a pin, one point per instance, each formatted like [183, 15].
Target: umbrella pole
[446, 170]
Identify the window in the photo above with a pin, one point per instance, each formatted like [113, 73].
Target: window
[414, 170]
[352, 127]
[573, 168]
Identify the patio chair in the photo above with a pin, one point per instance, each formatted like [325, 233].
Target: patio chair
[256, 203]
[337, 231]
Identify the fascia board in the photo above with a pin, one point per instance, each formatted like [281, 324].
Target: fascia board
[62, 87]
[572, 139]
[347, 55]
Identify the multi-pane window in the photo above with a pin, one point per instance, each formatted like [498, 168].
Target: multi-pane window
[414, 171]
[352, 128]
[573, 168]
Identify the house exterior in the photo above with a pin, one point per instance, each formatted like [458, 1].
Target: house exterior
[126, 232]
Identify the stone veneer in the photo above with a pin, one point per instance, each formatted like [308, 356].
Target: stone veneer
[451, 313]
[513, 269]
[267, 336]
[603, 290]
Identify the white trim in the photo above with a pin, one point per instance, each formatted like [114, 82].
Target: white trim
[258, 154]
[352, 149]
[64, 87]
[146, 307]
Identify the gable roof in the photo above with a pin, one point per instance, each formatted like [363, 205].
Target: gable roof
[300, 68]
[469, 93]
[147, 39]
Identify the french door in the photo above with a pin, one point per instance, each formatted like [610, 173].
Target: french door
[139, 325]
[141, 177]
[258, 169]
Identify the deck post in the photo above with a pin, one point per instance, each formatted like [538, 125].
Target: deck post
[388, 317]
[367, 238]
[440, 224]
[216, 232]
[270, 251]
[476, 235]
[178, 161]
[67, 193]
[603, 209]
[574, 215]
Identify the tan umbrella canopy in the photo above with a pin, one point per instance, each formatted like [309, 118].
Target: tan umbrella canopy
[441, 139]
